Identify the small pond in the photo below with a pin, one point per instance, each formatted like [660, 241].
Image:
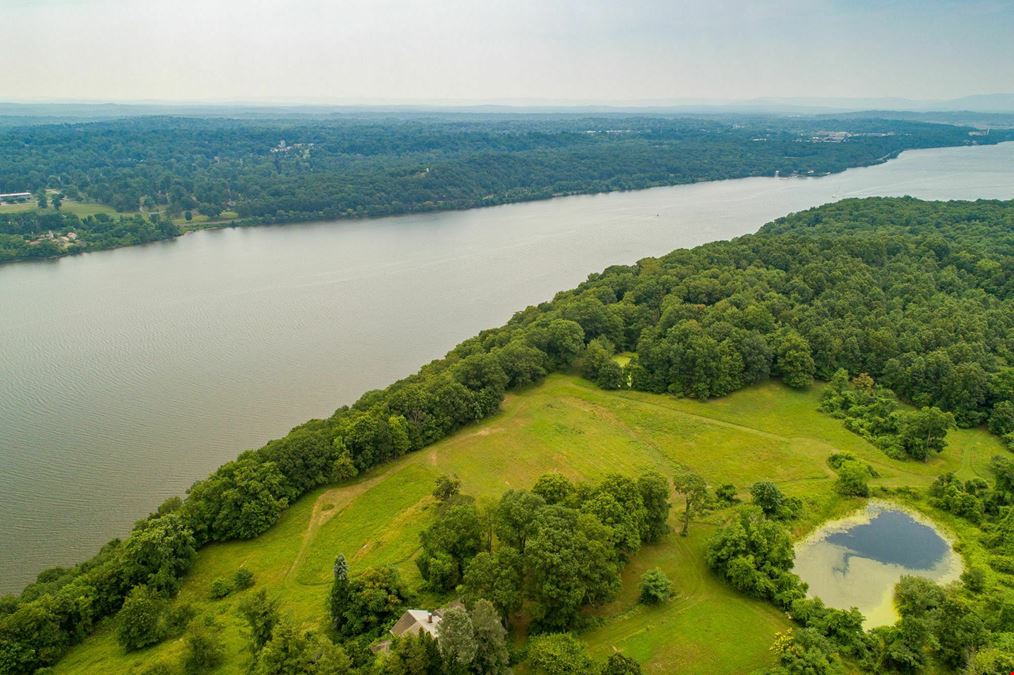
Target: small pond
[856, 561]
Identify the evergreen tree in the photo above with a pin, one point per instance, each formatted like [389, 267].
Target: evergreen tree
[338, 599]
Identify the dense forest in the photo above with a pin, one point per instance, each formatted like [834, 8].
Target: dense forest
[274, 171]
[899, 295]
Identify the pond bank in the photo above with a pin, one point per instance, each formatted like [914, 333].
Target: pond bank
[856, 561]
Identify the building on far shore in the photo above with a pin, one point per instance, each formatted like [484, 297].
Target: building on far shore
[15, 197]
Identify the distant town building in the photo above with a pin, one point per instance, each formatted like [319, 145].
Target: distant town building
[15, 197]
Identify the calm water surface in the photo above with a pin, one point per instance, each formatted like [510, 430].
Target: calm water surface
[856, 561]
[126, 375]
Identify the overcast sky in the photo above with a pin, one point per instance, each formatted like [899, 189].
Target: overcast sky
[552, 51]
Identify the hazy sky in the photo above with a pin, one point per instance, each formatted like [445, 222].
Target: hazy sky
[502, 50]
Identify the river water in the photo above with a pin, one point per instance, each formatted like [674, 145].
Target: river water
[126, 375]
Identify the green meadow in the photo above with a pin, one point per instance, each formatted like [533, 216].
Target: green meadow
[83, 209]
[79, 209]
[567, 425]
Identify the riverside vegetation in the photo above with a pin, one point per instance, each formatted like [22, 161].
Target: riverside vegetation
[166, 175]
[904, 294]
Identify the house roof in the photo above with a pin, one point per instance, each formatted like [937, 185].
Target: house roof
[415, 621]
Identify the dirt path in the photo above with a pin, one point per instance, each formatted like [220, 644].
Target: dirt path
[712, 421]
[339, 498]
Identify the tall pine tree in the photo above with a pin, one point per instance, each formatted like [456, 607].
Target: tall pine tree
[337, 601]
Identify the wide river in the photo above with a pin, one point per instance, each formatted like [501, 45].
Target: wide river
[126, 375]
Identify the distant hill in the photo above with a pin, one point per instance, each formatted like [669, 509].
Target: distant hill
[105, 110]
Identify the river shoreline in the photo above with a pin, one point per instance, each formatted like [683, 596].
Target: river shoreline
[262, 222]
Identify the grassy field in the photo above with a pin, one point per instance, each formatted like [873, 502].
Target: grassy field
[79, 209]
[570, 426]
[199, 221]
[83, 209]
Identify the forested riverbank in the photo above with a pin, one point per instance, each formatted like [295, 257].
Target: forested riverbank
[165, 175]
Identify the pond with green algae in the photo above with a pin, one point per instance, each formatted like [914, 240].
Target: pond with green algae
[856, 561]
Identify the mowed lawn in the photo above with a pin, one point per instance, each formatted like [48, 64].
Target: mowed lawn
[567, 425]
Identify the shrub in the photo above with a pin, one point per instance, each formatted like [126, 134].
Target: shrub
[852, 479]
[204, 651]
[242, 579]
[618, 664]
[220, 588]
[974, 579]
[655, 587]
[753, 553]
[726, 494]
[177, 618]
[1002, 564]
[446, 488]
[773, 503]
[138, 620]
[558, 654]
[611, 376]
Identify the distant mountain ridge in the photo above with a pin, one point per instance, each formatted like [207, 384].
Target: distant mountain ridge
[998, 103]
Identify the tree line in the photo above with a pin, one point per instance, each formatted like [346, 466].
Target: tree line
[917, 294]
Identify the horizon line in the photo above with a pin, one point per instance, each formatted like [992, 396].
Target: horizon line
[500, 102]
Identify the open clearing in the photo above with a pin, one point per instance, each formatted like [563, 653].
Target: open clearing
[85, 209]
[79, 209]
[570, 426]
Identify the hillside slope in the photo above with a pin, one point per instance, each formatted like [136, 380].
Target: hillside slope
[568, 425]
